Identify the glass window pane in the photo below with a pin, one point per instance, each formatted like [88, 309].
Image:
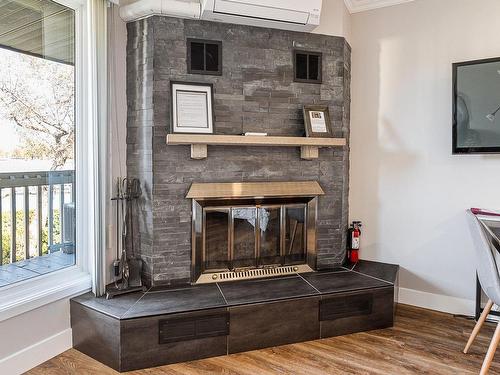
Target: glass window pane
[295, 246]
[314, 67]
[37, 121]
[39, 28]
[244, 237]
[212, 57]
[301, 66]
[197, 56]
[216, 239]
[269, 223]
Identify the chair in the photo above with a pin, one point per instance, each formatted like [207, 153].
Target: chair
[489, 278]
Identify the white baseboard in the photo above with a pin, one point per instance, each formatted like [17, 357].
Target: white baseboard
[438, 302]
[36, 354]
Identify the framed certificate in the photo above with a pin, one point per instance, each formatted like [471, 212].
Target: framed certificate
[192, 108]
[317, 121]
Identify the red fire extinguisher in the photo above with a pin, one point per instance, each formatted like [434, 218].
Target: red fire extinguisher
[353, 241]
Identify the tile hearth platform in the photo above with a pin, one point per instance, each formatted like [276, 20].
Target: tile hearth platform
[159, 327]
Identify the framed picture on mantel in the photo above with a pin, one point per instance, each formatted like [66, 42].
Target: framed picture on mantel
[192, 108]
[317, 121]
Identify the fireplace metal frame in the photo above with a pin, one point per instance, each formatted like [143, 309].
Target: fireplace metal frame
[201, 206]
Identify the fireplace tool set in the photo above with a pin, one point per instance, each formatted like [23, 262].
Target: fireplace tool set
[127, 266]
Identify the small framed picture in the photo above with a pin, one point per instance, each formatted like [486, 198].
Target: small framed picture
[317, 121]
[192, 108]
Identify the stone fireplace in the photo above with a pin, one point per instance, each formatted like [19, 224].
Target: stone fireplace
[251, 207]
[255, 93]
[250, 230]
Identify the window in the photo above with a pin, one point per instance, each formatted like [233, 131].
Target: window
[307, 66]
[37, 147]
[204, 57]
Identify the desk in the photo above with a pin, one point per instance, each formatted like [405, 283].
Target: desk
[493, 224]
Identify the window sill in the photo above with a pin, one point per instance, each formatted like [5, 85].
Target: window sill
[30, 294]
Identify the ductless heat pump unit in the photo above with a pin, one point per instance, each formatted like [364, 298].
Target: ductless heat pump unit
[299, 15]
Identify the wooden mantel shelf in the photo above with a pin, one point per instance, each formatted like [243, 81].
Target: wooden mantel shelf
[309, 147]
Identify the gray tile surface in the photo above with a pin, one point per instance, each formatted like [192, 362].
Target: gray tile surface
[254, 291]
[209, 296]
[336, 282]
[177, 300]
[115, 307]
[384, 271]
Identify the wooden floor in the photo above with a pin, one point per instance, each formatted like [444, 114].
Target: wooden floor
[421, 342]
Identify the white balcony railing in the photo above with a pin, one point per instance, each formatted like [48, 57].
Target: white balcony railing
[37, 214]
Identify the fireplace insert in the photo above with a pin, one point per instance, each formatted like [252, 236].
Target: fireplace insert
[235, 235]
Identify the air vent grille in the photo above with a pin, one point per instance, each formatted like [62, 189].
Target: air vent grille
[258, 272]
[252, 273]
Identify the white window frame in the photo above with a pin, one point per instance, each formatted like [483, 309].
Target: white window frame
[32, 293]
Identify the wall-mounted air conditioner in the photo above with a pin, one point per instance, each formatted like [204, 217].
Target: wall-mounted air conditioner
[299, 15]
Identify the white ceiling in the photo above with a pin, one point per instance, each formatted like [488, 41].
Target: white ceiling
[355, 6]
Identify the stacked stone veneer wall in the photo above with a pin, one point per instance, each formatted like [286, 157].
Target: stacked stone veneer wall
[256, 92]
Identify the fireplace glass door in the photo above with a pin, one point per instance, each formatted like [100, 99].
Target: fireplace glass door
[295, 233]
[244, 244]
[238, 237]
[216, 240]
[270, 235]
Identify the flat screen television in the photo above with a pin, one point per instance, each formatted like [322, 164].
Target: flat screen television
[476, 106]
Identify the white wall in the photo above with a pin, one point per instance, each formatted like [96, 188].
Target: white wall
[117, 112]
[335, 19]
[34, 337]
[406, 187]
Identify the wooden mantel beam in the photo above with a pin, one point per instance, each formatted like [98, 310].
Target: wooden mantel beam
[309, 146]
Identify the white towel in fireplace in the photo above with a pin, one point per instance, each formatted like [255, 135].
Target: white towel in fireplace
[249, 215]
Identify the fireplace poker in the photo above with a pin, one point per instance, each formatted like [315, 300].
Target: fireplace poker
[127, 192]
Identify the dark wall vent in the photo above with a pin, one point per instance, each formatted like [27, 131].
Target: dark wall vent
[307, 66]
[193, 327]
[204, 57]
